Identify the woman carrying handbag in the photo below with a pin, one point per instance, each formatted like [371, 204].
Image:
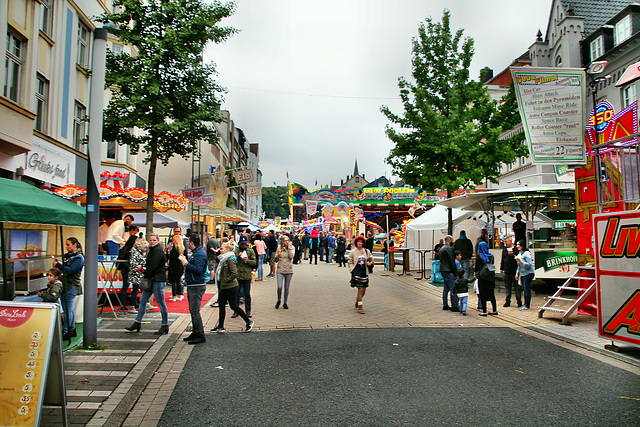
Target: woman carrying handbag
[360, 263]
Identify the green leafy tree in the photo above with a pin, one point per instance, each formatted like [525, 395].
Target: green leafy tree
[446, 138]
[274, 202]
[164, 90]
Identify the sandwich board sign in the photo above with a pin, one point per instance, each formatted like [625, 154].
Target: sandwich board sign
[31, 365]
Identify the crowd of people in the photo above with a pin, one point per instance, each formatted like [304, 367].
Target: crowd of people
[516, 267]
[234, 264]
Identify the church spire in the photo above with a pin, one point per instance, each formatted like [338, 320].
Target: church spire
[355, 169]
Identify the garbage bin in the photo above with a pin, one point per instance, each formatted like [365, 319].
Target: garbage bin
[436, 277]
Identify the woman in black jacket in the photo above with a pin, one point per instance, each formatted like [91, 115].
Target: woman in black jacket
[155, 273]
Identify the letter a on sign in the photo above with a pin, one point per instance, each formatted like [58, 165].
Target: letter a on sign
[627, 316]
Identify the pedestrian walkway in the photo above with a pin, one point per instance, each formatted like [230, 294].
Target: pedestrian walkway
[131, 381]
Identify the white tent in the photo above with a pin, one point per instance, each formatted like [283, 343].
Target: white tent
[271, 227]
[248, 225]
[159, 220]
[424, 231]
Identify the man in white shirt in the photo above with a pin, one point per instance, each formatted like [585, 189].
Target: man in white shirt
[115, 235]
[103, 231]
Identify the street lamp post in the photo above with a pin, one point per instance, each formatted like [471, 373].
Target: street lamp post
[94, 144]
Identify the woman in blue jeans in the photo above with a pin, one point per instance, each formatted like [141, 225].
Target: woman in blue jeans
[155, 273]
[525, 272]
[72, 271]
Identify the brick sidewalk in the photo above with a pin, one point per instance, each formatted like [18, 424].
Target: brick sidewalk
[130, 383]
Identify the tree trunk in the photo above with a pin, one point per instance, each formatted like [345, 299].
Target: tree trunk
[449, 216]
[151, 186]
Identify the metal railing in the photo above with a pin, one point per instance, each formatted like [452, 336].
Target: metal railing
[618, 180]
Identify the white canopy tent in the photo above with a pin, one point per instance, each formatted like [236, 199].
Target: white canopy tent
[424, 231]
[159, 220]
[248, 225]
[271, 227]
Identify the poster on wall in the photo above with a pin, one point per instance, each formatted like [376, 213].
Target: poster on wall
[617, 236]
[552, 105]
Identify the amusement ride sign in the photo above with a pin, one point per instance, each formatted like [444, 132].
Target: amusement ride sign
[552, 104]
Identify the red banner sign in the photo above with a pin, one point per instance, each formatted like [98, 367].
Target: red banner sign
[193, 193]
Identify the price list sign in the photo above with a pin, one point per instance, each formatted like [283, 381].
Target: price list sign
[25, 346]
[552, 105]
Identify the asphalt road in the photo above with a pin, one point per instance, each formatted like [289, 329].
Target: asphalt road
[408, 376]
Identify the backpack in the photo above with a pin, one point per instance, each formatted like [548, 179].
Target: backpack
[488, 271]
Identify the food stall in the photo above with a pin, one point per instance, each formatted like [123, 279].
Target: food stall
[552, 243]
[33, 226]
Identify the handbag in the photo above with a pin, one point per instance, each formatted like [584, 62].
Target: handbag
[145, 284]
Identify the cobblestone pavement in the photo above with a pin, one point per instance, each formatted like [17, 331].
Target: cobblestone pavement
[131, 381]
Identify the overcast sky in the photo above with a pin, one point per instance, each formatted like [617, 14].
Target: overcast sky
[306, 79]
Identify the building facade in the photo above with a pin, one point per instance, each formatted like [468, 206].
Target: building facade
[45, 98]
[572, 28]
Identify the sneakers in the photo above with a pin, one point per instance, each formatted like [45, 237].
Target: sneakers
[214, 304]
[506, 304]
[249, 326]
[179, 297]
[219, 330]
[173, 299]
[151, 307]
[523, 308]
[361, 309]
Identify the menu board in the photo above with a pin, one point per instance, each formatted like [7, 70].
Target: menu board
[552, 105]
[28, 334]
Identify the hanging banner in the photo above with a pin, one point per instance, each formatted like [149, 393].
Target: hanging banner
[205, 200]
[617, 237]
[193, 193]
[254, 190]
[243, 176]
[552, 105]
[312, 206]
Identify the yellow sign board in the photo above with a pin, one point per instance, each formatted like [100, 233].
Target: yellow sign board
[29, 342]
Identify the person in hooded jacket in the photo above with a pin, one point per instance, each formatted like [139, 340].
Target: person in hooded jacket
[486, 279]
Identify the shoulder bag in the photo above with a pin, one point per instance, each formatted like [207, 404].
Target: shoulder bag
[145, 284]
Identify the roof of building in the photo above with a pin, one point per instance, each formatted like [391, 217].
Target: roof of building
[595, 12]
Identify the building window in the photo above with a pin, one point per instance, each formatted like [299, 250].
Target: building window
[216, 151]
[79, 126]
[83, 46]
[13, 67]
[628, 95]
[622, 31]
[47, 17]
[42, 103]
[559, 61]
[116, 49]
[596, 48]
[111, 150]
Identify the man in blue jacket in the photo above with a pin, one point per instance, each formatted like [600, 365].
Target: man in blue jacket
[195, 275]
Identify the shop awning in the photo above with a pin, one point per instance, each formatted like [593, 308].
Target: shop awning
[482, 201]
[21, 202]
[125, 198]
[159, 220]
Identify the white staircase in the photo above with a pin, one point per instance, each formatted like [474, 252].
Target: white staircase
[583, 293]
